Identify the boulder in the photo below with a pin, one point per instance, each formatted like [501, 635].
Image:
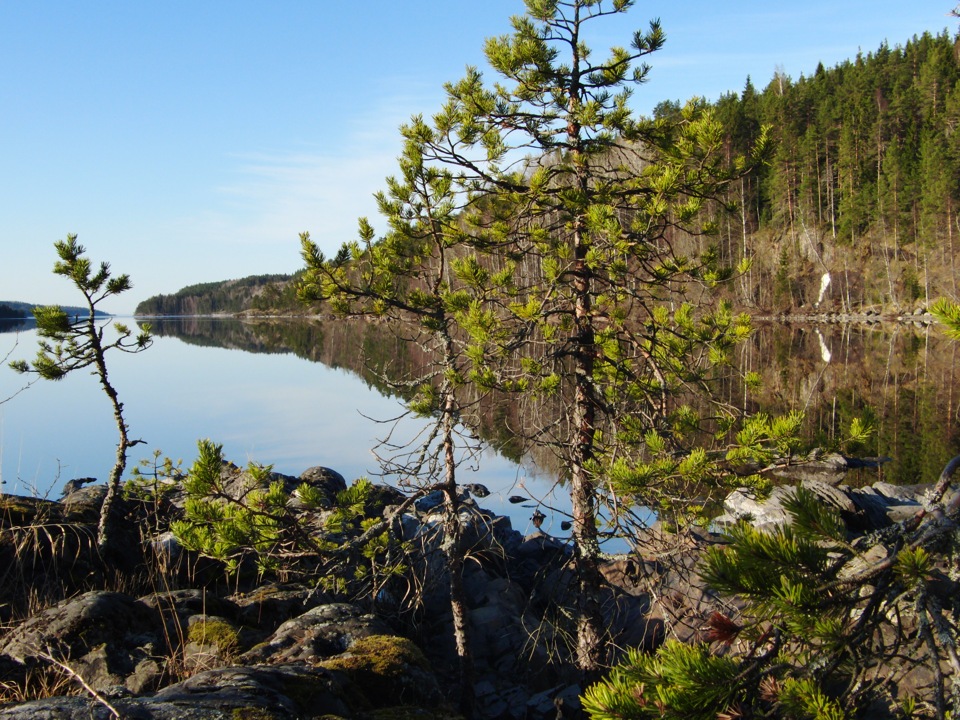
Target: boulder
[829, 468]
[556, 703]
[328, 478]
[269, 605]
[744, 504]
[862, 509]
[323, 478]
[386, 671]
[321, 632]
[103, 635]
[288, 692]
[670, 598]
[210, 642]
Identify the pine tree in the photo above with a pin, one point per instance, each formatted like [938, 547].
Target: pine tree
[581, 230]
[406, 277]
[948, 313]
[827, 630]
[253, 519]
[79, 344]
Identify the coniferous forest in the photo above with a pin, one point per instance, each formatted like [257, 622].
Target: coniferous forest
[863, 182]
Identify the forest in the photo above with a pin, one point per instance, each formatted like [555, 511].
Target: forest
[863, 182]
[8, 312]
[225, 296]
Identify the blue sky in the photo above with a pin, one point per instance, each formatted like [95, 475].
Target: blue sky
[192, 141]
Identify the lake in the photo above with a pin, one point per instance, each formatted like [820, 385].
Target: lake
[296, 394]
[263, 403]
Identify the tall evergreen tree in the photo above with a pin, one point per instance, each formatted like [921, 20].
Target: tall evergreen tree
[582, 231]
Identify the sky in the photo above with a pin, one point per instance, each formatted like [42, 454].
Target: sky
[188, 142]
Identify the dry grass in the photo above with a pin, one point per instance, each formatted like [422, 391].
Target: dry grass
[45, 559]
[42, 681]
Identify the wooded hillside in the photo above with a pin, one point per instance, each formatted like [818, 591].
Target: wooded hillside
[16, 310]
[226, 296]
[863, 184]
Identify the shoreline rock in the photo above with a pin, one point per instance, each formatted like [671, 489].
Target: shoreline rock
[272, 649]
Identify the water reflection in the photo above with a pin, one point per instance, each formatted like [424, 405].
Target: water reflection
[903, 379]
[275, 392]
[302, 393]
[8, 325]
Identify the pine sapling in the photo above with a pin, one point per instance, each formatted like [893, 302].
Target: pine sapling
[67, 345]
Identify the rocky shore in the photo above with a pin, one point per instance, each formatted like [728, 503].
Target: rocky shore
[164, 634]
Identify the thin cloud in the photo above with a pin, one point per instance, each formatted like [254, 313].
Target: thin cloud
[273, 196]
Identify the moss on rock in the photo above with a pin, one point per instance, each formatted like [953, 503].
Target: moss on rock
[215, 631]
[21, 511]
[254, 713]
[388, 671]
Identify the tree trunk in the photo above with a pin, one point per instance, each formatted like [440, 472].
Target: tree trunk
[586, 546]
[105, 529]
[453, 548]
[582, 485]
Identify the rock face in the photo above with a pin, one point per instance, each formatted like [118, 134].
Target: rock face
[332, 659]
[862, 509]
[286, 692]
[104, 636]
[321, 632]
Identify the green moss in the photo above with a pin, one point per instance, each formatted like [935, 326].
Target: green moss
[384, 668]
[253, 713]
[386, 655]
[19, 511]
[214, 632]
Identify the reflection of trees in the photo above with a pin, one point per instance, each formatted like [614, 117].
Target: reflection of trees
[15, 325]
[375, 352]
[904, 380]
[310, 339]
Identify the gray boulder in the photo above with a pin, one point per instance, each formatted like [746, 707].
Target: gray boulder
[103, 635]
[321, 632]
[287, 692]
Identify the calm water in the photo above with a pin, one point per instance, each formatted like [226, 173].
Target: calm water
[269, 407]
[300, 394]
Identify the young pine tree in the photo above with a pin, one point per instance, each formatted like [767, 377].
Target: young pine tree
[406, 277]
[68, 345]
[829, 628]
